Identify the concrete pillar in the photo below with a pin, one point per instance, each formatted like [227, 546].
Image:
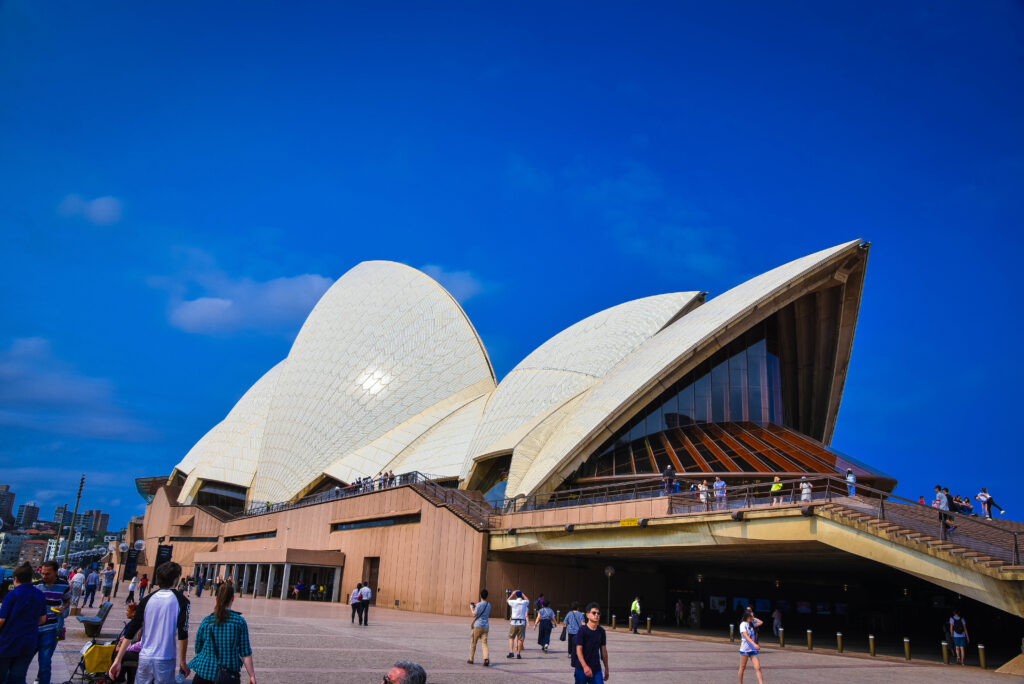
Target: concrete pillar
[284, 580]
[336, 594]
[270, 579]
[245, 580]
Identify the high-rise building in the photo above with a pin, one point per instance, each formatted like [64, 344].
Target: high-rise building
[32, 552]
[6, 504]
[61, 515]
[100, 525]
[10, 547]
[27, 514]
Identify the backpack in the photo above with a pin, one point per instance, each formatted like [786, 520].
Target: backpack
[958, 626]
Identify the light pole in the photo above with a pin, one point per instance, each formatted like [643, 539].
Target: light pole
[71, 532]
[608, 572]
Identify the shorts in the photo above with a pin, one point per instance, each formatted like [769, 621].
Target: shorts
[517, 632]
[960, 641]
[106, 591]
[156, 671]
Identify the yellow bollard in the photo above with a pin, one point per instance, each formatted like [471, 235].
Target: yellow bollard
[839, 642]
[613, 620]
[981, 655]
[945, 652]
[871, 644]
[558, 615]
[648, 625]
[782, 638]
[906, 648]
[810, 641]
[732, 633]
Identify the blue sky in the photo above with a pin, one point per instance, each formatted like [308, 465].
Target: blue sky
[180, 181]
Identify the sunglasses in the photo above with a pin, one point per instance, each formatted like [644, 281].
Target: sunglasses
[595, 612]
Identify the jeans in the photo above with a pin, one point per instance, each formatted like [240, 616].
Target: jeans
[13, 669]
[364, 612]
[46, 645]
[581, 678]
[90, 595]
[153, 671]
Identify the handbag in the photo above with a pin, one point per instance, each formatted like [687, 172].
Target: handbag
[561, 637]
[223, 674]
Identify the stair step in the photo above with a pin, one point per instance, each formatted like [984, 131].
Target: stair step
[937, 544]
[994, 563]
[1012, 568]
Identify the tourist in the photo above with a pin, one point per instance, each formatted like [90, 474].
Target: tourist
[481, 613]
[143, 585]
[942, 503]
[108, 576]
[776, 491]
[22, 611]
[77, 587]
[703, 489]
[391, 478]
[519, 604]
[776, 621]
[131, 590]
[680, 616]
[63, 572]
[222, 641]
[719, 487]
[364, 603]
[966, 507]
[634, 614]
[57, 593]
[748, 647]
[353, 601]
[163, 618]
[544, 622]
[405, 672]
[805, 489]
[92, 581]
[958, 629]
[921, 501]
[200, 584]
[988, 503]
[851, 483]
[571, 624]
[590, 649]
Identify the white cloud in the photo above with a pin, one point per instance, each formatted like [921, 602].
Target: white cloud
[220, 304]
[102, 211]
[40, 392]
[462, 285]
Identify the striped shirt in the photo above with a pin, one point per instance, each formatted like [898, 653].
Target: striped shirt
[56, 594]
[221, 644]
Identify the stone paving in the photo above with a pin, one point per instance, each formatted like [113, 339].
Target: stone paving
[315, 643]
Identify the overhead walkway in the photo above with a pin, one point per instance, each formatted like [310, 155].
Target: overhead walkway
[979, 558]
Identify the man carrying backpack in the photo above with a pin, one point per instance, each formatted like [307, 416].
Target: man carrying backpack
[958, 628]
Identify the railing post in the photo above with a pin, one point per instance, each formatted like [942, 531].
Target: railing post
[881, 507]
[1016, 549]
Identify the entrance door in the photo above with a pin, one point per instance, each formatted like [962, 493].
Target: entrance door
[371, 568]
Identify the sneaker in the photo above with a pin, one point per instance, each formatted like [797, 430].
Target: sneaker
[487, 662]
[510, 656]
[519, 655]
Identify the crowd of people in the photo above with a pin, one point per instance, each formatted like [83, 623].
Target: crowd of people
[944, 501]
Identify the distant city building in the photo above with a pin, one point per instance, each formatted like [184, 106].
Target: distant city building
[99, 520]
[27, 514]
[32, 552]
[107, 538]
[10, 547]
[61, 515]
[6, 504]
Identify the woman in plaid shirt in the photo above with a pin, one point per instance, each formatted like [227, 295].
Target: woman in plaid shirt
[222, 641]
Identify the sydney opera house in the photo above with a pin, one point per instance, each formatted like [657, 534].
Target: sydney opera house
[553, 476]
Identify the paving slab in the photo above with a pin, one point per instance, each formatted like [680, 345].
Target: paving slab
[316, 643]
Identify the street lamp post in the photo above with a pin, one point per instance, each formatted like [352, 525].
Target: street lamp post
[608, 572]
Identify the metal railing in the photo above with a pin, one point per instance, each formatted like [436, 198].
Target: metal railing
[456, 499]
[623, 491]
[374, 485]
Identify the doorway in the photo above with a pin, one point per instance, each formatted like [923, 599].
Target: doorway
[371, 568]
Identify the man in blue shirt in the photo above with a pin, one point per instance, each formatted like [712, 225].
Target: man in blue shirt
[57, 594]
[719, 493]
[22, 611]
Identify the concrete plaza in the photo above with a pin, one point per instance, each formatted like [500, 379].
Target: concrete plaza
[315, 643]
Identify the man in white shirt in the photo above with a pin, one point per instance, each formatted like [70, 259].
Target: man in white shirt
[519, 604]
[364, 603]
[163, 618]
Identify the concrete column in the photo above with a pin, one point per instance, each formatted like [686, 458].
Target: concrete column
[284, 580]
[336, 594]
[245, 580]
[270, 579]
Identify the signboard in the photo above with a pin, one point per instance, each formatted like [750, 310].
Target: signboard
[629, 522]
[131, 563]
[163, 554]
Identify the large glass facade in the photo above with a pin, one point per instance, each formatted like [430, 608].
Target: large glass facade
[740, 383]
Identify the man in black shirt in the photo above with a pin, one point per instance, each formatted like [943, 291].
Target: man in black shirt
[591, 649]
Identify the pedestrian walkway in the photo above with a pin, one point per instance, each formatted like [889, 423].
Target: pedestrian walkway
[315, 643]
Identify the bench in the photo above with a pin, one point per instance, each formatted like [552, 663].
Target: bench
[94, 625]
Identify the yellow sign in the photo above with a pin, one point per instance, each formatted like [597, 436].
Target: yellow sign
[629, 522]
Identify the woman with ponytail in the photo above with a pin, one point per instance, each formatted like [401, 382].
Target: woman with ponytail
[222, 644]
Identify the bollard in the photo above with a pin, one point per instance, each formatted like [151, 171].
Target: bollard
[981, 656]
[782, 638]
[871, 644]
[648, 625]
[839, 642]
[732, 633]
[558, 615]
[613, 620]
[906, 648]
[945, 652]
[810, 641]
